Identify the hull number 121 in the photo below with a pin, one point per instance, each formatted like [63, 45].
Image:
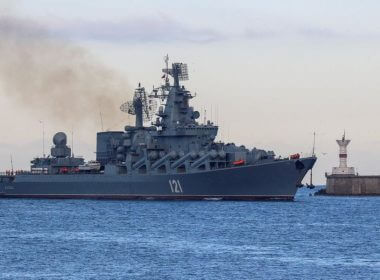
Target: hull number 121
[175, 186]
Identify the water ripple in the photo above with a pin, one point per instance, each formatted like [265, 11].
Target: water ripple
[312, 238]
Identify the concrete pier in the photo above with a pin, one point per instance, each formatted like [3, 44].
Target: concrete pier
[352, 185]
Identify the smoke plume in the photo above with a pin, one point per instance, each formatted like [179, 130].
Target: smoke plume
[54, 78]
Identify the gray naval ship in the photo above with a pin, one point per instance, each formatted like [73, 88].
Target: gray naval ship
[175, 157]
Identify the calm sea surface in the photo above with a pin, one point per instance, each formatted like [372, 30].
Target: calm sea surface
[311, 238]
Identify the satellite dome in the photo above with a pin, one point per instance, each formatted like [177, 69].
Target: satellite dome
[60, 139]
[196, 115]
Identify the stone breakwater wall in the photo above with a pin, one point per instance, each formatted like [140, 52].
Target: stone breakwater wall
[352, 185]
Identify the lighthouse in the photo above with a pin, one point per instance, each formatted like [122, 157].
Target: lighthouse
[343, 169]
[344, 181]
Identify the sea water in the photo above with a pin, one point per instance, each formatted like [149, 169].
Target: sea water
[314, 237]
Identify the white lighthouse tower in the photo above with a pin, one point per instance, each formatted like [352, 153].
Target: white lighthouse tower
[343, 169]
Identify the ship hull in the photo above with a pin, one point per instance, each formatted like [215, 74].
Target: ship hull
[273, 180]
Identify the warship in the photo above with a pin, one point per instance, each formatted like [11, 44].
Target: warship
[174, 157]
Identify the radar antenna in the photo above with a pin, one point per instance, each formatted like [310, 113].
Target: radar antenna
[179, 72]
[183, 73]
[143, 106]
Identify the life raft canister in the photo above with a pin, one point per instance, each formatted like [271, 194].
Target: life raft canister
[238, 162]
[63, 170]
[295, 156]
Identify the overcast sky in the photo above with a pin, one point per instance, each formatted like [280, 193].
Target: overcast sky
[275, 71]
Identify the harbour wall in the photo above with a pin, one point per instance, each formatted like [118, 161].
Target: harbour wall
[352, 185]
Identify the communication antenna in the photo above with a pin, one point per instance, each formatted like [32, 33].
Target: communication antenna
[312, 154]
[12, 164]
[211, 113]
[101, 118]
[204, 117]
[72, 141]
[43, 137]
[217, 114]
[201, 115]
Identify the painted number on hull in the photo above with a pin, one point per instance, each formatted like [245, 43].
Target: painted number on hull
[175, 186]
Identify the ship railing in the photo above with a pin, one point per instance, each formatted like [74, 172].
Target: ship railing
[23, 172]
[306, 155]
[342, 174]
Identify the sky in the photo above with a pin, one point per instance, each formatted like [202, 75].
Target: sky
[271, 72]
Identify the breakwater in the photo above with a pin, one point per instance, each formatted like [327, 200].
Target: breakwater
[352, 185]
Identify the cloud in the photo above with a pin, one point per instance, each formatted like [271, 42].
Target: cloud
[300, 31]
[166, 29]
[134, 30]
[251, 33]
[318, 32]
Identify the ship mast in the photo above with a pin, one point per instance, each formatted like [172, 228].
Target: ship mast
[12, 164]
[43, 137]
[313, 155]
